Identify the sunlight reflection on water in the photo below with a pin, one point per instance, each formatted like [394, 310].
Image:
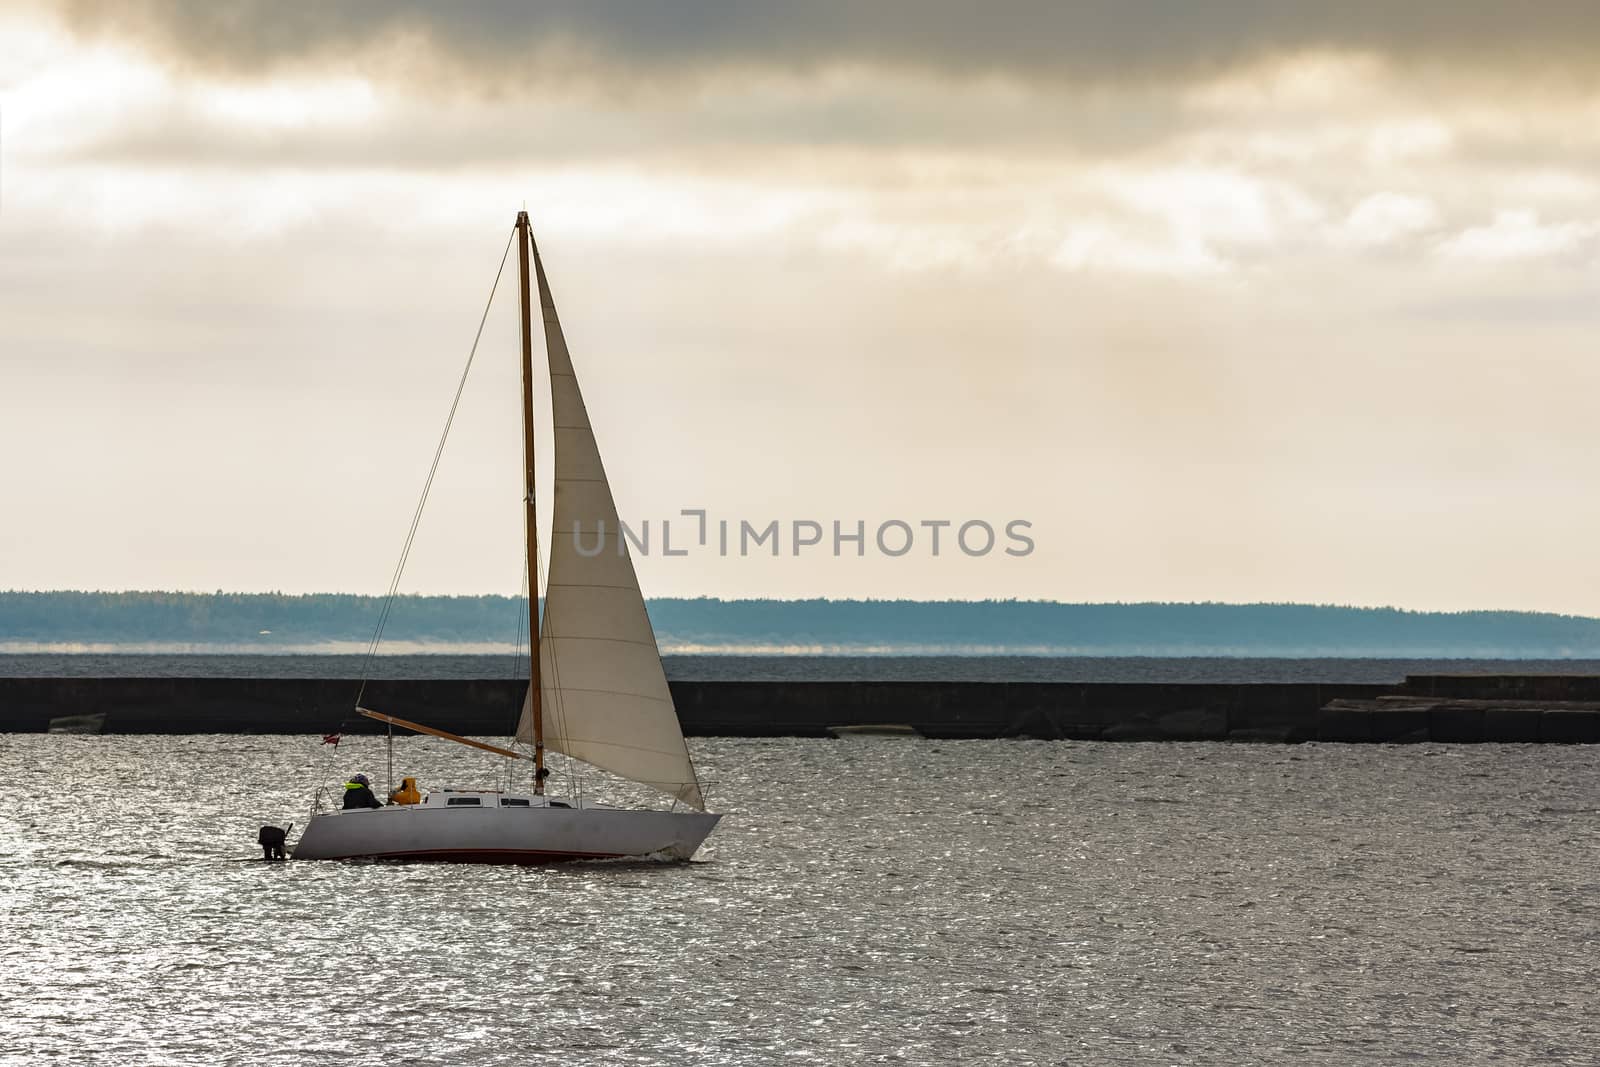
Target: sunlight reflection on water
[864, 901]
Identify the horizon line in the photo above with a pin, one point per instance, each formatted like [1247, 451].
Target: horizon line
[831, 600]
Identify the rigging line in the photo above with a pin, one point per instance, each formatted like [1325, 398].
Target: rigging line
[540, 564]
[547, 711]
[557, 706]
[549, 680]
[553, 712]
[516, 651]
[438, 453]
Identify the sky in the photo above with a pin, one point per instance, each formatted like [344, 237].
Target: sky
[1236, 300]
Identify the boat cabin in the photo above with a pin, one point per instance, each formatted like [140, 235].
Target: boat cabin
[488, 798]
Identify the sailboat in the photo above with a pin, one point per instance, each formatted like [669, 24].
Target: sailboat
[597, 691]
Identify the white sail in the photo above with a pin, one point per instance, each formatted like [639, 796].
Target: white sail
[605, 696]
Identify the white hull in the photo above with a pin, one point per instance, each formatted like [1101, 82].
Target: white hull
[430, 832]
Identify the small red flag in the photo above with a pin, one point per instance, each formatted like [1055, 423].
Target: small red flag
[330, 739]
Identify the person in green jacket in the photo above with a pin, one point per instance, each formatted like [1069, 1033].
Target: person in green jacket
[358, 793]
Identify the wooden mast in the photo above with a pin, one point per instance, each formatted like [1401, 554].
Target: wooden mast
[524, 240]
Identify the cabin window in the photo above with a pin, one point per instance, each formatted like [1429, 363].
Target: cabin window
[453, 801]
[513, 802]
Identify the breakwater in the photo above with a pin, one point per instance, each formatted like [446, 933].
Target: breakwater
[1464, 708]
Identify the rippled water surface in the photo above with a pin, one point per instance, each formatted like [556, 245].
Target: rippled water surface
[865, 901]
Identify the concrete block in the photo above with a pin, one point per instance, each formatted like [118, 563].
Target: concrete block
[1570, 727]
[1512, 725]
[1146, 730]
[1344, 724]
[1194, 724]
[1400, 726]
[1283, 734]
[1450, 725]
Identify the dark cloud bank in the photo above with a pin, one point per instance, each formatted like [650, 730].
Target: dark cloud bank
[1102, 40]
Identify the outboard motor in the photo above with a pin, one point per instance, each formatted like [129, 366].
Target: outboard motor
[271, 840]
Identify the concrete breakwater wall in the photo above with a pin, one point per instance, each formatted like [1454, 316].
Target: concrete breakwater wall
[1465, 709]
[489, 707]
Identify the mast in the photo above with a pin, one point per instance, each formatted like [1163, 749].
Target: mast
[531, 521]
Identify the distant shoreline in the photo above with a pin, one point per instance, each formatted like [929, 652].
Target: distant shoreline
[1215, 670]
[343, 624]
[486, 650]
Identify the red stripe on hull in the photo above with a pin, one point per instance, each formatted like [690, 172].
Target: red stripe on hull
[518, 856]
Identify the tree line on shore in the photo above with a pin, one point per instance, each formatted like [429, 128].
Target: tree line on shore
[269, 620]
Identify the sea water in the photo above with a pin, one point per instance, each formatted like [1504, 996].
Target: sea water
[864, 901]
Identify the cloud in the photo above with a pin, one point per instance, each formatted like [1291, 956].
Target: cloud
[1220, 275]
[1385, 219]
[1087, 41]
[446, 88]
[1518, 235]
[332, 123]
